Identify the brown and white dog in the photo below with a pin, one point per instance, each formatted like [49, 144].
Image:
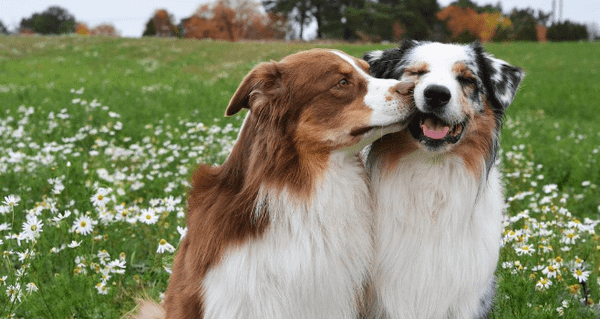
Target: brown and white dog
[437, 191]
[283, 228]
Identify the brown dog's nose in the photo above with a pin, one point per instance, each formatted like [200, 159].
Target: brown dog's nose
[404, 87]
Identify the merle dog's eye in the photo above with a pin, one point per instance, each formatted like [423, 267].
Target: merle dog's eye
[466, 80]
[343, 82]
[415, 73]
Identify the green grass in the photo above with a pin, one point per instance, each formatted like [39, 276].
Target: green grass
[151, 109]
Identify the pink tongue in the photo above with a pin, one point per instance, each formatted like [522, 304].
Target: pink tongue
[435, 134]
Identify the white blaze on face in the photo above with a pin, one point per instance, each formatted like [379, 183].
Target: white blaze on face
[439, 58]
[386, 106]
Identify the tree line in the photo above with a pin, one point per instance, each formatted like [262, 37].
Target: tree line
[349, 20]
[57, 20]
[391, 20]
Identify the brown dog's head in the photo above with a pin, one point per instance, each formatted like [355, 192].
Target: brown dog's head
[322, 99]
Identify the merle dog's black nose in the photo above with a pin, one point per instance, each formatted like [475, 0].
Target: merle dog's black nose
[436, 97]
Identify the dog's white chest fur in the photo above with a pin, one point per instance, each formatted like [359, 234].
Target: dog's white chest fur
[437, 238]
[310, 263]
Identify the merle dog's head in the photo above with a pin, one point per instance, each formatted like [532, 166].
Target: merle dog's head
[461, 93]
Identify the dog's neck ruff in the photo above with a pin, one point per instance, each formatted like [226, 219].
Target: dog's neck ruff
[436, 225]
[293, 261]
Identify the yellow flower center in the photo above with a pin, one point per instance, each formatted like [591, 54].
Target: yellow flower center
[100, 197]
[162, 242]
[83, 224]
[573, 289]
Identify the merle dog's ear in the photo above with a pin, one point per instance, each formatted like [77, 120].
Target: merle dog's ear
[376, 63]
[389, 63]
[255, 87]
[500, 78]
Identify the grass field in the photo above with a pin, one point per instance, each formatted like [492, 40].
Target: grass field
[99, 136]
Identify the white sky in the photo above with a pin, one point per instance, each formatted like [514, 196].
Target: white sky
[130, 17]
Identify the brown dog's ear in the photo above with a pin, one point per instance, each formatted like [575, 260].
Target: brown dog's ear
[261, 79]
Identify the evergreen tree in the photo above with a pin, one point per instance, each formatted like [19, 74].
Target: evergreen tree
[55, 20]
[567, 31]
[3, 29]
[150, 29]
[524, 24]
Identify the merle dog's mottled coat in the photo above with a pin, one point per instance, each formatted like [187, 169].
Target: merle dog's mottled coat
[437, 191]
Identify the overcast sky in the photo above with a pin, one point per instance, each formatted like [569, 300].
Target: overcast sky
[130, 17]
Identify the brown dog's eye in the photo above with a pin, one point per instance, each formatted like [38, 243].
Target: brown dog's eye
[342, 84]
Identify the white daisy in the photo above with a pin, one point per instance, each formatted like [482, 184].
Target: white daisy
[60, 217]
[117, 266]
[170, 203]
[4, 226]
[74, 244]
[104, 256]
[549, 188]
[11, 200]
[105, 274]
[155, 202]
[148, 216]
[543, 283]
[569, 237]
[14, 292]
[83, 225]
[551, 271]
[32, 227]
[168, 270]
[6, 209]
[100, 199]
[524, 249]
[27, 254]
[31, 287]
[102, 289]
[58, 186]
[182, 232]
[164, 246]
[55, 250]
[581, 275]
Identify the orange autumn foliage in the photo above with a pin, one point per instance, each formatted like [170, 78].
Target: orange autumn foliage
[220, 21]
[82, 29]
[398, 31]
[542, 33]
[163, 24]
[105, 29]
[482, 25]
[26, 31]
